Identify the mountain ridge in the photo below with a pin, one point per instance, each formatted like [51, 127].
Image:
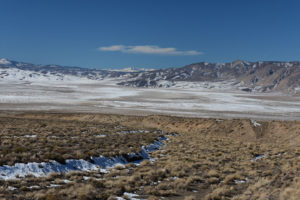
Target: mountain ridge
[259, 76]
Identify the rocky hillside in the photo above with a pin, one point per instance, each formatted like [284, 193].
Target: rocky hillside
[248, 76]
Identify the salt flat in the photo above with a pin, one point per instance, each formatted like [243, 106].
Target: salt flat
[192, 100]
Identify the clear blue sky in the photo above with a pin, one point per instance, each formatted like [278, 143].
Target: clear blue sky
[153, 33]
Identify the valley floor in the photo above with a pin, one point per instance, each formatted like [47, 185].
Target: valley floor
[202, 158]
[214, 100]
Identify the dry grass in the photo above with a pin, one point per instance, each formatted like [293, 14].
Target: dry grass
[34, 140]
[205, 159]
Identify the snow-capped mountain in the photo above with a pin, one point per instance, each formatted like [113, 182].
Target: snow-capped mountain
[20, 71]
[4, 61]
[247, 76]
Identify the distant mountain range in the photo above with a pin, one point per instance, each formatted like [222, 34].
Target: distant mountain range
[264, 76]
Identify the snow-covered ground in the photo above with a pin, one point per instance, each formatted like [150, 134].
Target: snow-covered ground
[101, 163]
[71, 94]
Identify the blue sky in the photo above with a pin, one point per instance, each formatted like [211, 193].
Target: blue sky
[154, 34]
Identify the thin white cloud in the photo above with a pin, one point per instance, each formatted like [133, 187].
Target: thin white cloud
[149, 49]
[112, 48]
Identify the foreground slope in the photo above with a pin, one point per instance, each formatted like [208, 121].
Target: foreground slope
[203, 159]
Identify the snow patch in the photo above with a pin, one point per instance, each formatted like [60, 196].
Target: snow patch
[238, 181]
[11, 188]
[130, 196]
[101, 136]
[132, 132]
[256, 124]
[98, 163]
[34, 187]
[4, 61]
[53, 186]
[258, 157]
[30, 136]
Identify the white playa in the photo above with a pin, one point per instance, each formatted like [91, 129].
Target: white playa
[217, 100]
